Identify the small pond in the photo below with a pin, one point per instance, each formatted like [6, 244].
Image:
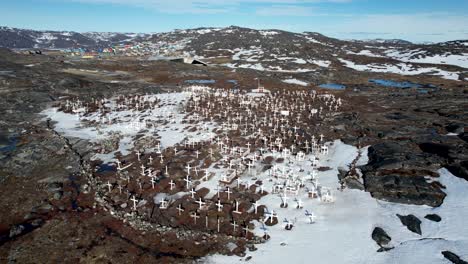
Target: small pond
[333, 86]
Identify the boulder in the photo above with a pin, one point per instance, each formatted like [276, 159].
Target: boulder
[411, 222]
[380, 236]
[433, 217]
[454, 258]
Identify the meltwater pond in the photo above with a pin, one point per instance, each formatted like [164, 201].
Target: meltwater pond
[420, 88]
[396, 84]
[333, 86]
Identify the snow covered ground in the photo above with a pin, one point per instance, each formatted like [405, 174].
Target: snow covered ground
[296, 81]
[321, 63]
[342, 231]
[401, 68]
[131, 122]
[420, 56]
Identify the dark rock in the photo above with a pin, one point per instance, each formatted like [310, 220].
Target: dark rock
[459, 169]
[455, 128]
[383, 249]
[396, 173]
[16, 230]
[354, 183]
[454, 258]
[433, 217]
[380, 236]
[252, 248]
[411, 222]
[441, 150]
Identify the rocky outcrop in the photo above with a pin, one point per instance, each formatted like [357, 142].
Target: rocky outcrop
[411, 222]
[454, 258]
[396, 173]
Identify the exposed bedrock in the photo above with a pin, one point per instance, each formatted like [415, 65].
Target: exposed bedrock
[397, 173]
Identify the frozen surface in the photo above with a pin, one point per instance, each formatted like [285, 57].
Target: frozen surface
[421, 56]
[342, 231]
[401, 68]
[296, 81]
[131, 123]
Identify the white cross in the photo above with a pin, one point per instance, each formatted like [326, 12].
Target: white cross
[200, 203]
[205, 178]
[256, 206]
[228, 191]
[193, 192]
[134, 200]
[109, 186]
[195, 217]
[237, 208]
[247, 230]
[234, 226]
[163, 204]
[219, 205]
[152, 182]
[271, 215]
[188, 181]
[188, 168]
[171, 184]
[179, 208]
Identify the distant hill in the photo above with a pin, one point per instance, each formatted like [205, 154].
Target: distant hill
[267, 50]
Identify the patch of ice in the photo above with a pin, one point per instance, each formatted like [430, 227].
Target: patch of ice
[342, 231]
[401, 68]
[367, 53]
[419, 56]
[268, 33]
[296, 81]
[321, 63]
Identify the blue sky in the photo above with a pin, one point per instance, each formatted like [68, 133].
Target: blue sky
[415, 20]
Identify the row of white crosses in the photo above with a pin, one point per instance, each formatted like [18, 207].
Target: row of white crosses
[251, 124]
[271, 117]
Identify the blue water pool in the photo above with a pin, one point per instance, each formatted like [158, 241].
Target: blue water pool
[105, 168]
[395, 84]
[332, 86]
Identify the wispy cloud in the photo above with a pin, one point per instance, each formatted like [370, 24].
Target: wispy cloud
[275, 8]
[414, 27]
[284, 10]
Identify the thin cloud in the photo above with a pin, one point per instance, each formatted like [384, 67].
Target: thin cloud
[215, 6]
[414, 27]
[284, 10]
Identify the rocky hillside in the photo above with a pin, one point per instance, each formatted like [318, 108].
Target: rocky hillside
[24, 38]
[271, 50]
